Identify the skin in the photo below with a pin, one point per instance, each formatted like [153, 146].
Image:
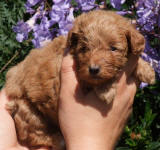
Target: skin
[86, 122]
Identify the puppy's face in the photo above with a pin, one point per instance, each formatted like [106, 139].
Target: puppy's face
[100, 46]
[99, 58]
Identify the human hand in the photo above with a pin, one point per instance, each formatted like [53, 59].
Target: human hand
[87, 122]
[7, 128]
[8, 137]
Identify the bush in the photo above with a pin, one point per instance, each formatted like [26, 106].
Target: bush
[11, 51]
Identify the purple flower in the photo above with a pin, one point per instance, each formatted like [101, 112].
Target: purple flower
[143, 85]
[62, 14]
[29, 9]
[41, 35]
[22, 29]
[153, 62]
[32, 21]
[152, 53]
[66, 24]
[56, 14]
[148, 23]
[32, 2]
[46, 23]
[86, 5]
[57, 1]
[20, 37]
[117, 3]
[124, 12]
[42, 31]
[148, 14]
[59, 10]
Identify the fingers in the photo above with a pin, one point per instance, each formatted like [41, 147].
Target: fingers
[131, 65]
[68, 76]
[3, 99]
[67, 64]
[126, 92]
[132, 86]
[132, 79]
[127, 71]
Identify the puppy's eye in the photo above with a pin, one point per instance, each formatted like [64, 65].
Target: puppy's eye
[83, 49]
[113, 48]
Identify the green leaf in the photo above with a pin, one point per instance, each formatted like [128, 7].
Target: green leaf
[131, 142]
[153, 146]
[74, 3]
[107, 1]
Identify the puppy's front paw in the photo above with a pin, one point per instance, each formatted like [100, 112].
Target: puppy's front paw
[106, 93]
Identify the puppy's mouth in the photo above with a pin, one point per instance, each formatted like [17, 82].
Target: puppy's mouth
[95, 80]
[96, 77]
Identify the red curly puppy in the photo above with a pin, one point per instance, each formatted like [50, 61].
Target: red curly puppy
[100, 42]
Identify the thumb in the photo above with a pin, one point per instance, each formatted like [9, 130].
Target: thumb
[68, 76]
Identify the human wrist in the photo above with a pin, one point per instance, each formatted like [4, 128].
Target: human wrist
[89, 143]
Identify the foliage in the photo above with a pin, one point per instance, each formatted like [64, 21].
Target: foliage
[143, 129]
[10, 13]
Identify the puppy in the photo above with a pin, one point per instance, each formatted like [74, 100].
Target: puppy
[100, 42]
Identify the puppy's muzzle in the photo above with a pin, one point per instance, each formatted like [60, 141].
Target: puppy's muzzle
[94, 69]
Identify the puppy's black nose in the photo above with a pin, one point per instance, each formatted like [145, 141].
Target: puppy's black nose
[93, 70]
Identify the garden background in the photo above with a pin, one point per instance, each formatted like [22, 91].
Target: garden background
[25, 24]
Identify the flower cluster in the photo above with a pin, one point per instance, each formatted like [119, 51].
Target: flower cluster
[117, 3]
[49, 20]
[53, 18]
[148, 22]
[148, 17]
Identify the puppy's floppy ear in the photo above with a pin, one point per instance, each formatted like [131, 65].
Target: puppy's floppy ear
[72, 41]
[136, 41]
